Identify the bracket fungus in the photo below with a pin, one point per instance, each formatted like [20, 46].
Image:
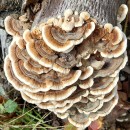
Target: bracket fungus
[69, 65]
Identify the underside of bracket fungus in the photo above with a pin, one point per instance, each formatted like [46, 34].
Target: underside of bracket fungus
[69, 65]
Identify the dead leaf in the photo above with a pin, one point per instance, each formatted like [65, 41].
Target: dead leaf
[96, 125]
[1, 99]
[69, 126]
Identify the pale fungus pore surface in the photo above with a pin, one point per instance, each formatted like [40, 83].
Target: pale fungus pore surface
[69, 65]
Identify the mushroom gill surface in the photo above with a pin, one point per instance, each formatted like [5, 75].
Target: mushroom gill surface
[69, 65]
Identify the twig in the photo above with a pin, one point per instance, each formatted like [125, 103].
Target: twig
[125, 26]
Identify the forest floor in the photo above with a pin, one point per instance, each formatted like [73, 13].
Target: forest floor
[16, 114]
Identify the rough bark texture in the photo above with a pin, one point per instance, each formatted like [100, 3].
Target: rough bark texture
[103, 10]
[9, 6]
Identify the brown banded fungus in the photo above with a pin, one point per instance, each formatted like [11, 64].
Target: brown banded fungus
[69, 65]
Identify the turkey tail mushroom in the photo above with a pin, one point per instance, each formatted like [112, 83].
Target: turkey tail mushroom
[122, 12]
[15, 29]
[69, 64]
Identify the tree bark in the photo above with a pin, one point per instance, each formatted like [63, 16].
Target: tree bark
[105, 11]
[9, 6]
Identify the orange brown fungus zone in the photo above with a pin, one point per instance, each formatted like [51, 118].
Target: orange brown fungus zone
[68, 67]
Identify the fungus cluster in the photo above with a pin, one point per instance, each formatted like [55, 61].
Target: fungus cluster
[69, 65]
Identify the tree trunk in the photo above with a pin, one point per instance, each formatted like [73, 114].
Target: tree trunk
[105, 11]
[9, 7]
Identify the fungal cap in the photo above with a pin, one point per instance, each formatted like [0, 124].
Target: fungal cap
[68, 25]
[118, 51]
[85, 15]
[108, 27]
[122, 12]
[87, 73]
[12, 26]
[117, 35]
[89, 29]
[67, 13]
